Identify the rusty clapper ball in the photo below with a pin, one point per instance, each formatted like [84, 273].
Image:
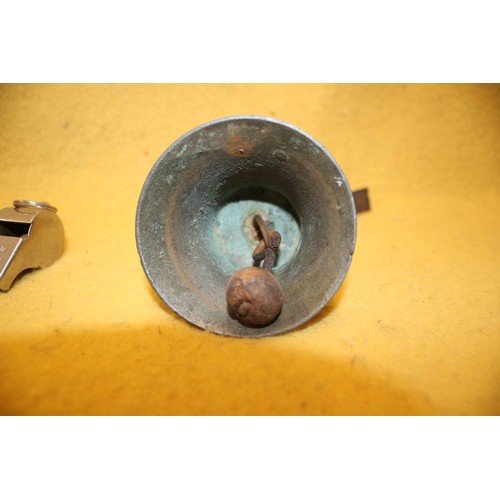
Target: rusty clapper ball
[254, 297]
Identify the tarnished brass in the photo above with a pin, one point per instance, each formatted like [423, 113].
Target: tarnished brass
[194, 223]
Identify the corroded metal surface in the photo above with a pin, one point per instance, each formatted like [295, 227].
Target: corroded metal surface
[268, 248]
[361, 200]
[194, 230]
[254, 297]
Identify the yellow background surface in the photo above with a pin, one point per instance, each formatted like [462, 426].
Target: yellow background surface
[415, 329]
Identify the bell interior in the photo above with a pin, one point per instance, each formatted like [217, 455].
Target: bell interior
[205, 191]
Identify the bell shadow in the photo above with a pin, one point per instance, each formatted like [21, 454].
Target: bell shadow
[184, 371]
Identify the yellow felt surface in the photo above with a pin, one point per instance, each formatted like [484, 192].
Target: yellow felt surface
[415, 329]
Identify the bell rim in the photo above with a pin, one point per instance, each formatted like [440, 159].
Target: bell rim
[251, 332]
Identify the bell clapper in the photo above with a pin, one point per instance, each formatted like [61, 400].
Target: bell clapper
[254, 295]
[267, 248]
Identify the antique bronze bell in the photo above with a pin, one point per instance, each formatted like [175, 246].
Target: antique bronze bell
[197, 212]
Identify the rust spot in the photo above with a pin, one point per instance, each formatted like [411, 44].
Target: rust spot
[254, 297]
[238, 147]
[361, 200]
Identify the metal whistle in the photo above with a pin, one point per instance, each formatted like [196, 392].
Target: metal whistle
[31, 236]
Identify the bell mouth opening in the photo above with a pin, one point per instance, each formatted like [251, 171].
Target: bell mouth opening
[234, 235]
[194, 223]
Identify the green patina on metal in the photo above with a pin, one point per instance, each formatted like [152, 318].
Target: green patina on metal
[234, 236]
